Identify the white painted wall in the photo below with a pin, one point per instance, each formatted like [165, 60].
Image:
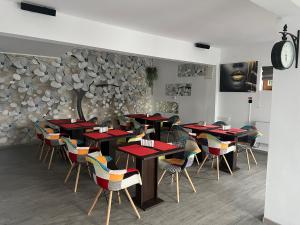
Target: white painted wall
[283, 186]
[198, 107]
[234, 105]
[83, 32]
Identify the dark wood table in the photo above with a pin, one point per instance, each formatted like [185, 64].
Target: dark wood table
[75, 130]
[155, 121]
[107, 141]
[147, 164]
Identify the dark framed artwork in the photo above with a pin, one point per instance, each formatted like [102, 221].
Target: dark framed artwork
[238, 77]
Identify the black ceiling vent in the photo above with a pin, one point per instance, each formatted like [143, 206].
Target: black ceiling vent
[38, 9]
[201, 45]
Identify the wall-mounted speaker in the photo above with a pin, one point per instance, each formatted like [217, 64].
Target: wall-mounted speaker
[38, 9]
[201, 45]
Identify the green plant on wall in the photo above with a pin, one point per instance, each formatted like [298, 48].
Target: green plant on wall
[151, 76]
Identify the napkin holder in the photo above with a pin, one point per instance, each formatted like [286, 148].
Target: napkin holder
[103, 129]
[147, 143]
[226, 127]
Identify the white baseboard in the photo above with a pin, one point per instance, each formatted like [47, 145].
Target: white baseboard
[269, 222]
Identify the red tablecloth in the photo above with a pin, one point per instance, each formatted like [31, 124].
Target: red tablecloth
[155, 118]
[86, 124]
[96, 135]
[69, 126]
[138, 150]
[60, 121]
[136, 115]
[200, 127]
[162, 146]
[229, 131]
[116, 132]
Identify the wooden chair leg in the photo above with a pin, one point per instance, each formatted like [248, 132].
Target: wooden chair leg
[161, 177]
[253, 155]
[172, 178]
[249, 167]
[46, 156]
[133, 160]
[132, 203]
[88, 168]
[69, 172]
[42, 151]
[197, 160]
[51, 157]
[109, 208]
[202, 163]
[95, 201]
[127, 160]
[177, 187]
[119, 198]
[118, 159]
[212, 162]
[227, 164]
[218, 171]
[188, 177]
[77, 177]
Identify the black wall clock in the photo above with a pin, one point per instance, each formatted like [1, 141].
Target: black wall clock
[285, 52]
[283, 55]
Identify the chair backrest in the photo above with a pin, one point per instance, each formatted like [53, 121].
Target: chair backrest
[251, 138]
[220, 123]
[191, 149]
[103, 175]
[156, 114]
[107, 123]
[174, 119]
[211, 144]
[123, 121]
[75, 154]
[178, 135]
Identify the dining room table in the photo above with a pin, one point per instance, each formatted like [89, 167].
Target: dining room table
[107, 141]
[73, 129]
[152, 120]
[146, 195]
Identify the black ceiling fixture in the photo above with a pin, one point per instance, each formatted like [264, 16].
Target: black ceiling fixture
[201, 45]
[285, 52]
[38, 9]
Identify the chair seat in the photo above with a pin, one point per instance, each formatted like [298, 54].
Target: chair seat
[171, 165]
[119, 181]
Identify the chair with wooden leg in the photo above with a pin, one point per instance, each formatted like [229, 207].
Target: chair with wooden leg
[177, 164]
[54, 143]
[77, 155]
[216, 148]
[40, 130]
[246, 143]
[108, 178]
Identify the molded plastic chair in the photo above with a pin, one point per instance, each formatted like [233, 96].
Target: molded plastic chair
[246, 143]
[53, 141]
[177, 164]
[109, 178]
[39, 131]
[216, 148]
[77, 156]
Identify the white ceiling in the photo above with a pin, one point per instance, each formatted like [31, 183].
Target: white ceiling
[216, 22]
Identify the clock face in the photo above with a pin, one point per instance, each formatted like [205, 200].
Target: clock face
[287, 54]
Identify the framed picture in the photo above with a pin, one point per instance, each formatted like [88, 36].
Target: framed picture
[184, 89]
[238, 77]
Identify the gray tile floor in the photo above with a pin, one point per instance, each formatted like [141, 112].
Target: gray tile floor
[32, 195]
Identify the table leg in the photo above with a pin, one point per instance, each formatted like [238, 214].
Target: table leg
[157, 130]
[146, 195]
